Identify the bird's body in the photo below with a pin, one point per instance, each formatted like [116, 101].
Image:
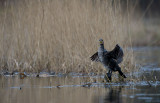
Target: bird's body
[102, 58]
[101, 53]
[109, 59]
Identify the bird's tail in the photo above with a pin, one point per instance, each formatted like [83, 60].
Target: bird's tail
[121, 73]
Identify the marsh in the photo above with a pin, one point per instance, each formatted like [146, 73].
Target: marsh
[45, 47]
[74, 88]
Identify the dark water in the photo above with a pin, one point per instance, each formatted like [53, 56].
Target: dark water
[77, 89]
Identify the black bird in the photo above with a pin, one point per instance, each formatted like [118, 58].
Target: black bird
[110, 59]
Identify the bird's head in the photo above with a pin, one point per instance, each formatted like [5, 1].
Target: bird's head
[101, 41]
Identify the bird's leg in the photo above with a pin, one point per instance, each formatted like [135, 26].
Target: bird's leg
[109, 74]
[120, 72]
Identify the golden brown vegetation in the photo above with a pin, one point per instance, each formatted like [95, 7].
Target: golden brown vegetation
[60, 35]
[146, 32]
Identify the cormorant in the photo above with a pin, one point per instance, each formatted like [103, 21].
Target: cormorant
[109, 59]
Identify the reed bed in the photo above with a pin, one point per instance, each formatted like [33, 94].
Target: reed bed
[60, 35]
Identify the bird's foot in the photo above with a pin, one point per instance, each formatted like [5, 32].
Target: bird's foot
[107, 77]
[124, 76]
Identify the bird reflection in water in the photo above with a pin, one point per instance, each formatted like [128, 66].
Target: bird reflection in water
[113, 96]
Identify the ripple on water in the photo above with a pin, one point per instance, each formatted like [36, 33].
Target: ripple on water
[99, 85]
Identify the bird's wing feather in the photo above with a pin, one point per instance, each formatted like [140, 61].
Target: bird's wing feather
[116, 53]
[95, 57]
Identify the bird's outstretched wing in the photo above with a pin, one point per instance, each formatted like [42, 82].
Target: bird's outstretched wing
[116, 53]
[95, 57]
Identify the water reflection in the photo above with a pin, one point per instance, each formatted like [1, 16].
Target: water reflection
[113, 96]
[40, 90]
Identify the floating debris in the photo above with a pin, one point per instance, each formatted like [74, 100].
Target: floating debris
[7, 74]
[58, 86]
[22, 75]
[44, 74]
[87, 85]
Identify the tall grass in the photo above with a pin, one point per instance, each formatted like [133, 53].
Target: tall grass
[60, 35]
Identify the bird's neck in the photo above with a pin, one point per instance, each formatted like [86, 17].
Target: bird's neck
[101, 52]
[102, 46]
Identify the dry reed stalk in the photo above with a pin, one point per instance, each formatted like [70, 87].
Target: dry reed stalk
[60, 35]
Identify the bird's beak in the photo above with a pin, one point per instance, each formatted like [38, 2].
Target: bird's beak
[101, 42]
